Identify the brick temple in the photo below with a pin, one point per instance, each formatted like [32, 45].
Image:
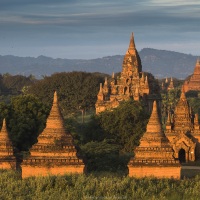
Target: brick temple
[182, 130]
[160, 153]
[193, 83]
[131, 84]
[54, 153]
[7, 158]
[154, 155]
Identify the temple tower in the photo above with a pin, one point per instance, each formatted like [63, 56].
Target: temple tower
[131, 84]
[154, 155]
[54, 153]
[181, 131]
[193, 83]
[7, 159]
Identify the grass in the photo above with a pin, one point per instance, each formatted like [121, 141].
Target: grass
[73, 187]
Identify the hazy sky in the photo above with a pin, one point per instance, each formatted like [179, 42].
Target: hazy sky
[97, 28]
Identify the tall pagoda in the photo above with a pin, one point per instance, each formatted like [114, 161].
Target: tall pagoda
[131, 84]
[7, 158]
[154, 155]
[193, 83]
[54, 153]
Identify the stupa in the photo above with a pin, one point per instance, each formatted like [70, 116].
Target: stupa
[193, 83]
[7, 158]
[154, 155]
[131, 84]
[54, 153]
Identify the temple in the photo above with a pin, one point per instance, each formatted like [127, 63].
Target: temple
[193, 83]
[154, 156]
[166, 85]
[131, 84]
[7, 158]
[183, 132]
[54, 153]
[160, 152]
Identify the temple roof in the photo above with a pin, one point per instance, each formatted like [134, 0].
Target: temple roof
[55, 130]
[154, 125]
[6, 148]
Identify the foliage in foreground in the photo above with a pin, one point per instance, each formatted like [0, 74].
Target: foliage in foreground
[73, 187]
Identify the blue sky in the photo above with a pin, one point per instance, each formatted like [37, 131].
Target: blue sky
[96, 28]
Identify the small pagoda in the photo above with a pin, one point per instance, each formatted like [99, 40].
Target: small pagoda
[7, 158]
[193, 83]
[154, 155]
[54, 153]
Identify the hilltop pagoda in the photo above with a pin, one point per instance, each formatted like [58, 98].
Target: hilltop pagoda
[131, 84]
[193, 83]
[54, 153]
[154, 155]
[7, 158]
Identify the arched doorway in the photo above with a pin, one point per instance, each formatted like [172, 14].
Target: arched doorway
[182, 156]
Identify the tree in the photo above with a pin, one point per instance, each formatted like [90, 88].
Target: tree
[26, 119]
[76, 90]
[125, 124]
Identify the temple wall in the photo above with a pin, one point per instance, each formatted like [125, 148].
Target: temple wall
[156, 171]
[29, 170]
[8, 165]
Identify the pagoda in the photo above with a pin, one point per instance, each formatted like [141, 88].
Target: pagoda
[193, 83]
[131, 84]
[54, 153]
[171, 85]
[182, 132]
[7, 158]
[154, 155]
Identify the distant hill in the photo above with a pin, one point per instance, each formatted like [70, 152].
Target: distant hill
[160, 63]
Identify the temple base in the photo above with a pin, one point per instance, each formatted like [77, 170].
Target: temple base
[28, 170]
[155, 171]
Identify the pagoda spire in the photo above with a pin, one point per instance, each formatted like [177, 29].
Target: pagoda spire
[154, 125]
[183, 97]
[4, 131]
[132, 42]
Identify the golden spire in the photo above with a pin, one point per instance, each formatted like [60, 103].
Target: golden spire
[183, 97]
[154, 125]
[4, 132]
[113, 75]
[55, 97]
[132, 43]
[106, 81]
[146, 82]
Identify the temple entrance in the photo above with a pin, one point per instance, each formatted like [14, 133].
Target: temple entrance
[182, 156]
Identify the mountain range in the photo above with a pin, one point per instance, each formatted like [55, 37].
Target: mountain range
[160, 63]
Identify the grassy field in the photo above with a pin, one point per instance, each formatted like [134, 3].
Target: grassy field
[104, 186]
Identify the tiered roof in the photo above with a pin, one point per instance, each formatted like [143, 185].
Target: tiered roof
[7, 159]
[154, 148]
[54, 149]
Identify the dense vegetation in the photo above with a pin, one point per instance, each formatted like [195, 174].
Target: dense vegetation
[76, 90]
[73, 187]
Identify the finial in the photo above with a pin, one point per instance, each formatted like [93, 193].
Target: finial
[101, 90]
[183, 93]
[55, 97]
[106, 81]
[132, 43]
[198, 61]
[113, 75]
[3, 125]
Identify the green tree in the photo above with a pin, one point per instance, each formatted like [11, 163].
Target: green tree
[76, 90]
[125, 124]
[26, 119]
